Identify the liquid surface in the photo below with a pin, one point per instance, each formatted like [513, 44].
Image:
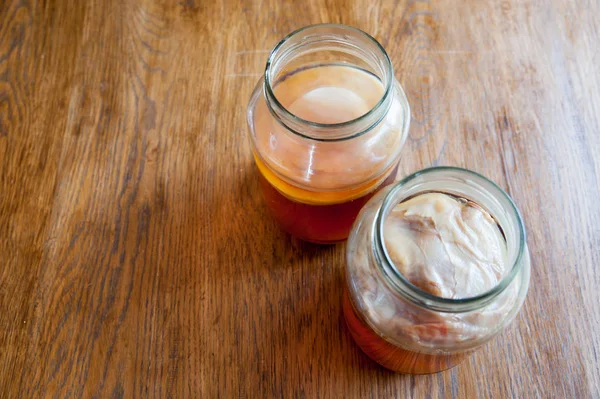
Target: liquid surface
[329, 104]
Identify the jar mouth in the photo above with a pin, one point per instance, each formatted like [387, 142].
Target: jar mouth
[513, 229]
[342, 37]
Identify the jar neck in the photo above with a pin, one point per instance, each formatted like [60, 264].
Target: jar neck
[462, 183]
[328, 45]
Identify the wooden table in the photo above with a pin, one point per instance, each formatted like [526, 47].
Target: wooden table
[137, 257]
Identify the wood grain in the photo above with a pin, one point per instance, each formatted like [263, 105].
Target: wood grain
[138, 260]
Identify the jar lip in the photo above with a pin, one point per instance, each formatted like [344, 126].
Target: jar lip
[270, 95]
[421, 297]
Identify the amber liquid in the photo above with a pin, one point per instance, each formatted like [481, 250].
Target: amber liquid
[391, 356]
[321, 224]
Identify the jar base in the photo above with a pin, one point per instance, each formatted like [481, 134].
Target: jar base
[390, 356]
[318, 224]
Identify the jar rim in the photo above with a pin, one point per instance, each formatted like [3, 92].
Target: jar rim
[270, 95]
[424, 298]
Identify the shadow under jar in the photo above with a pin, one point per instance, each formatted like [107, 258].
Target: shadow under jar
[327, 123]
[437, 265]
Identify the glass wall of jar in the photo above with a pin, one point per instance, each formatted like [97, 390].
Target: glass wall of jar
[327, 123]
[396, 305]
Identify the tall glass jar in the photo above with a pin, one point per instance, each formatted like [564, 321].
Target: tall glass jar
[327, 123]
[400, 325]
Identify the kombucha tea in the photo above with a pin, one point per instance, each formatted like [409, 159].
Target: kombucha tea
[315, 188]
[445, 247]
[391, 356]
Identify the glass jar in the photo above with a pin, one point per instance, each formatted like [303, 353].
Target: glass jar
[327, 123]
[405, 328]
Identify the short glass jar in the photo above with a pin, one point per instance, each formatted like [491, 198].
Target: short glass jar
[327, 123]
[405, 328]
